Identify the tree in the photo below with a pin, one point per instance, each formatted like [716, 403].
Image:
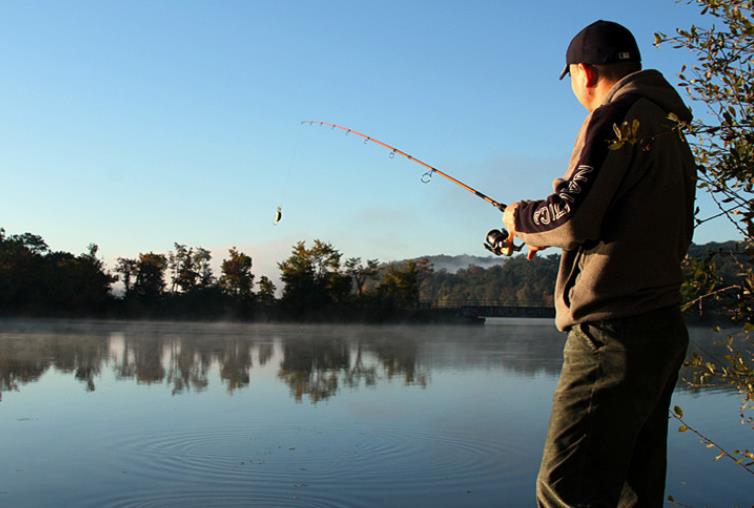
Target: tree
[236, 278]
[22, 270]
[201, 259]
[128, 268]
[183, 275]
[33, 243]
[150, 277]
[312, 277]
[722, 81]
[401, 284]
[361, 273]
[37, 280]
[325, 260]
[266, 291]
[92, 281]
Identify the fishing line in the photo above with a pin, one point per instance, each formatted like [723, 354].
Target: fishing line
[287, 175]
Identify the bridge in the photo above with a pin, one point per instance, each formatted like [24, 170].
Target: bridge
[483, 309]
[506, 311]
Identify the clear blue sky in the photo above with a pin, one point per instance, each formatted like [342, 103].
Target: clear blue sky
[142, 123]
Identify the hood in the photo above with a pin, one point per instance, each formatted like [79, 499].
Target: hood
[652, 85]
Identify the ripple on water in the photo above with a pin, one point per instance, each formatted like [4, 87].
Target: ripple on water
[329, 466]
[397, 459]
[184, 498]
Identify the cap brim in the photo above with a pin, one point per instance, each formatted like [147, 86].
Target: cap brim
[566, 70]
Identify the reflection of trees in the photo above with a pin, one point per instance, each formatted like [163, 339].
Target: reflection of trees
[317, 366]
[315, 362]
[399, 359]
[80, 354]
[19, 366]
[311, 366]
[142, 359]
[147, 356]
[265, 351]
[235, 361]
[27, 358]
[187, 367]
[188, 360]
[359, 370]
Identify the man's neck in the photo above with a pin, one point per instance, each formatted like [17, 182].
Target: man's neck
[599, 95]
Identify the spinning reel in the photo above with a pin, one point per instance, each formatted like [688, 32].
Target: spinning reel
[495, 242]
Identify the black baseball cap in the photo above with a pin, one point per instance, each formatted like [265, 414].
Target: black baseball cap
[602, 42]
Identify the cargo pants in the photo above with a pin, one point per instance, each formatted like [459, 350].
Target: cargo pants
[607, 439]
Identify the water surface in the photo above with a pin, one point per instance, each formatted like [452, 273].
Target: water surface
[117, 414]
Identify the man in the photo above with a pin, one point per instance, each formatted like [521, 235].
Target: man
[623, 217]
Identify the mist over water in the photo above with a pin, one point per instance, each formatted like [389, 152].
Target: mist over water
[184, 414]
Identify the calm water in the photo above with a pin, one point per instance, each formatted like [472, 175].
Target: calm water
[112, 414]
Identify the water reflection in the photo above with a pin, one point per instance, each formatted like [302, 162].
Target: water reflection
[312, 366]
[25, 358]
[315, 362]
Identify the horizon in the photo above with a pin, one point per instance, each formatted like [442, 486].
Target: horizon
[451, 265]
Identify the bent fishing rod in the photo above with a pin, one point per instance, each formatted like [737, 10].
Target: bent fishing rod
[496, 240]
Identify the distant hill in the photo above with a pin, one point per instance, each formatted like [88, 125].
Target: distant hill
[452, 264]
[464, 278]
[697, 251]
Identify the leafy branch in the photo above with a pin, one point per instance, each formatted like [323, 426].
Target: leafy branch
[738, 457]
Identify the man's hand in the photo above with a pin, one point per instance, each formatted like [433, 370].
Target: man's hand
[509, 219]
[509, 222]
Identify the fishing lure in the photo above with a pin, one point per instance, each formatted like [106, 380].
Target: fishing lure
[278, 216]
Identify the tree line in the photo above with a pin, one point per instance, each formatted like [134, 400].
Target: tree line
[319, 284]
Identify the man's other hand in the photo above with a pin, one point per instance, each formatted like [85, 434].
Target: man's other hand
[509, 223]
[531, 252]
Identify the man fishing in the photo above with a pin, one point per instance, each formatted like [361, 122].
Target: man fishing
[623, 217]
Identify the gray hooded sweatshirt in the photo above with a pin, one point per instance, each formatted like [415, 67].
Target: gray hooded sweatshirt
[623, 216]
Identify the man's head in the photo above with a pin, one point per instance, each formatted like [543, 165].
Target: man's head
[597, 57]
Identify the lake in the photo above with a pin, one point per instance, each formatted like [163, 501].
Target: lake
[143, 414]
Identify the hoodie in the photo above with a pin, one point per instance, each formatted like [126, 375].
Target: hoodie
[623, 214]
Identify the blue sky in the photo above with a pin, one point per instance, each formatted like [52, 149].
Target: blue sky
[142, 123]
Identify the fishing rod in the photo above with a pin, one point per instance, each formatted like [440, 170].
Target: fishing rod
[496, 240]
[393, 151]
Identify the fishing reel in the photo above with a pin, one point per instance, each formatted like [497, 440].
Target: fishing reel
[496, 243]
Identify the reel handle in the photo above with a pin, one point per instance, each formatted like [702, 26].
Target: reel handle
[495, 242]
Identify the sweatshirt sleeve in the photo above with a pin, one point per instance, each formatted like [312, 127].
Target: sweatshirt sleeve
[574, 212]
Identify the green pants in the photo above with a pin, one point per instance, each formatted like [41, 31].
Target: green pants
[607, 440]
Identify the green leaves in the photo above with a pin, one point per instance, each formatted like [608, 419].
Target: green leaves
[628, 132]
[625, 133]
[236, 278]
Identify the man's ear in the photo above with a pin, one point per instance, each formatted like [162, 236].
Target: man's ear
[590, 73]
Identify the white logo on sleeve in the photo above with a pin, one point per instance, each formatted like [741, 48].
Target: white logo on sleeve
[550, 212]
